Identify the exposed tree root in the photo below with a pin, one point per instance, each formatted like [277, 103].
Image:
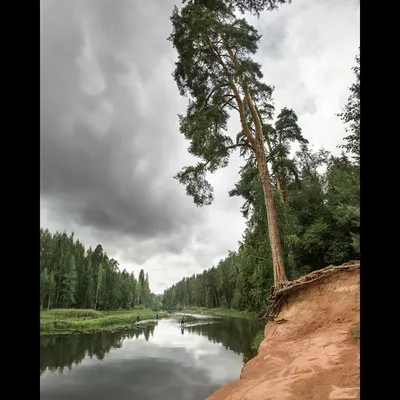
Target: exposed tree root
[279, 295]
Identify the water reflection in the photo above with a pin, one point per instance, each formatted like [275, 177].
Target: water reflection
[233, 333]
[59, 352]
[162, 360]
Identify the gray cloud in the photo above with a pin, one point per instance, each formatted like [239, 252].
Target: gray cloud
[107, 135]
[110, 143]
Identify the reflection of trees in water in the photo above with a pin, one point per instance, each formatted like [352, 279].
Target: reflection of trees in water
[147, 333]
[233, 333]
[58, 352]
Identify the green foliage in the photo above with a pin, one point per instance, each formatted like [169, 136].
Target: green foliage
[317, 226]
[351, 116]
[245, 187]
[279, 139]
[253, 6]
[61, 313]
[73, 277]
[65, 321]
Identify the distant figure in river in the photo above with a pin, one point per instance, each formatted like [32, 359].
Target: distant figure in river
[183, 321]
[137, 317]
[157, 316]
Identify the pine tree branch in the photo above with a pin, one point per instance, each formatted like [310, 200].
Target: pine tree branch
[228, 148]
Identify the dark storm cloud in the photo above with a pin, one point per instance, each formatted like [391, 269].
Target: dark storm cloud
[107, 132]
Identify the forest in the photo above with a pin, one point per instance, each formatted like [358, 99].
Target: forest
[74, 277]
[301, 204]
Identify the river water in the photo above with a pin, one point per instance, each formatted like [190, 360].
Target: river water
[152, 361]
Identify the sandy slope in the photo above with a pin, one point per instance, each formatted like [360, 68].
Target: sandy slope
[312, 356]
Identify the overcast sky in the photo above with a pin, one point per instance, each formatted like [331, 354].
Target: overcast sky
[110, 142]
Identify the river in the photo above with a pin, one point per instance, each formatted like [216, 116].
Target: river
[152, 361]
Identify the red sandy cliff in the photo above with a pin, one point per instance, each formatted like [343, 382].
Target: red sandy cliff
[312, 354]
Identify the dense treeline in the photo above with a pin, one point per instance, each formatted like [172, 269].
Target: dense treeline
[317, 200]
[73, 277]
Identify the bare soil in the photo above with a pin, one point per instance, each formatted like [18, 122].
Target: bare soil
[312, 354]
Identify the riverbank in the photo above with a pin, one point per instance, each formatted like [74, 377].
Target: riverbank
[312, 350]
[70, 321]
[220, 312]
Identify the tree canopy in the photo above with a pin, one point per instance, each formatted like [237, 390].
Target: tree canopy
[206, 72]
[351, 115]
[253, 6]
[216, 70]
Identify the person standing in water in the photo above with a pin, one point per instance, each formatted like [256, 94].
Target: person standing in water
[137, 317]
[157, 317]
[183, 321]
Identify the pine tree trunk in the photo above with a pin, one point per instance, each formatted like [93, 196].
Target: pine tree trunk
[99, 278]
[258, 145]
[216, 299]
[284, 192]
[279, 187]
[274, 237]
[48, 303]
[278, 182]
[95, 302]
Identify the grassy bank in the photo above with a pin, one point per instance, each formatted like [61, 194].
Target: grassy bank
[221, 312]
[67, 321]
